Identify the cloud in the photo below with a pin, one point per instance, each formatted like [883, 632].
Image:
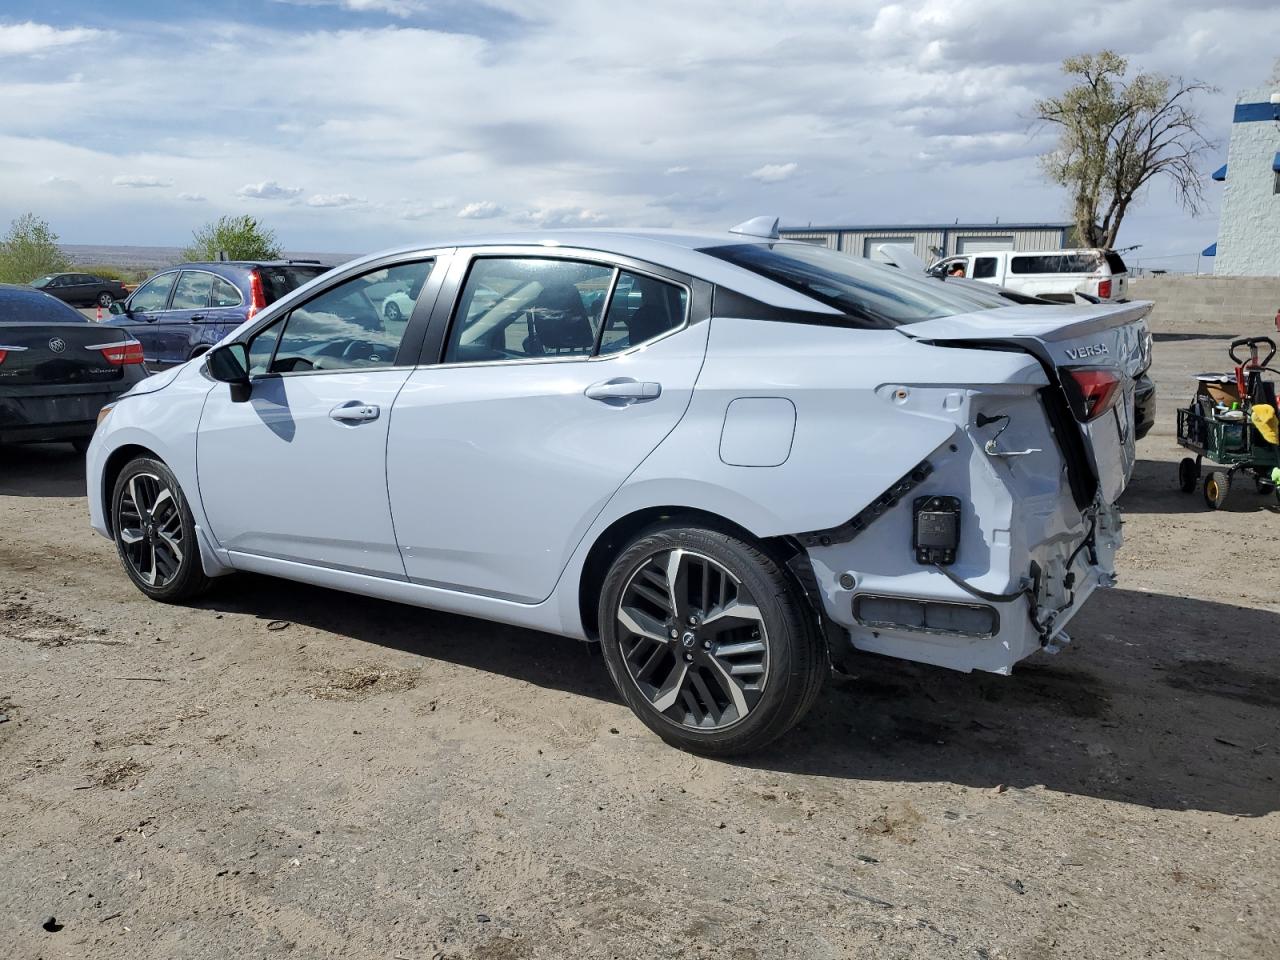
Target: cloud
[672, 171]
[481, 210]
[561, 217]
[396, 8]
[140, 181]
[334, 200]
[19, 39]
[192, 197]
[267, 190]
[774, 172]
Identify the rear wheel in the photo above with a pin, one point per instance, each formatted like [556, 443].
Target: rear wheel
[709, 641]
[1216, 487]
[155, 533]
[391, 311]
[1188, 475]
[105, 299]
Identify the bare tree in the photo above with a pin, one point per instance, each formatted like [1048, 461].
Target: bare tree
[1115, 136]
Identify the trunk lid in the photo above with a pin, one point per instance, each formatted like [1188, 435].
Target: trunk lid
[59, 354]
[1106, 339]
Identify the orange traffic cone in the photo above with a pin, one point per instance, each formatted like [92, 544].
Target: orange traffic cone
[99, 316]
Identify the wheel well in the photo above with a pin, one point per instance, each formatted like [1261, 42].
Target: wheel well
[199, 351]
[115, 463]
[620, 534]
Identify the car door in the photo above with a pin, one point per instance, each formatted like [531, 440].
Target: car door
[178, 328]
[560, 373]
[143, 311]
[298, 472]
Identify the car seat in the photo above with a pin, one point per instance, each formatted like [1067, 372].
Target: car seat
[558, 323]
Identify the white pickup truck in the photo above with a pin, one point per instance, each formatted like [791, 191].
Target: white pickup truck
[1050, 274]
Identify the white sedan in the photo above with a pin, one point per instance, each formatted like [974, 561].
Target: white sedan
[733, 461]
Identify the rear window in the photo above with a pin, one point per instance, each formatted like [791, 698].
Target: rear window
[277, 281]
[855, 286]
[1055, 263]
[1116, 263]
[25, 306]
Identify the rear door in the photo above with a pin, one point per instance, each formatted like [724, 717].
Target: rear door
[561, 371]
[178, 329]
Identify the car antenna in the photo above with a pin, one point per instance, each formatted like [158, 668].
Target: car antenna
[766, 227]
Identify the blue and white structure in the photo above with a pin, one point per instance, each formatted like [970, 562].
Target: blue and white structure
[1249, 229]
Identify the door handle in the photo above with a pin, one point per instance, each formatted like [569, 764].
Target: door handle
[353, 411]
[198, 316]
[621, 391]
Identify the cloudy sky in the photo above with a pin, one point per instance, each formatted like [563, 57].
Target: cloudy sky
[350, 125]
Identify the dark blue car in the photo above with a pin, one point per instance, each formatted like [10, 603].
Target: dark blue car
[180, 313]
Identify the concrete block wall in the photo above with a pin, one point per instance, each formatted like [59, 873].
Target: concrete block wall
[1246, 303]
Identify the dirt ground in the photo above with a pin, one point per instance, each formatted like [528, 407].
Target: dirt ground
[285, 772]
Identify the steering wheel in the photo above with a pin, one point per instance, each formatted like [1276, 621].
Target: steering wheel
[364, 350]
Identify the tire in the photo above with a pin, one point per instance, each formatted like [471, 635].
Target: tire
[1188, 475]
[1216, 487]
[80, 446]
[391, 311]
[682, 687]
[155, 533]
[105, 300]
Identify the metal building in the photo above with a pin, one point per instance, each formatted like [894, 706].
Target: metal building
[932, 241]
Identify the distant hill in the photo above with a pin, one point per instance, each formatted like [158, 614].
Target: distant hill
[156, 258]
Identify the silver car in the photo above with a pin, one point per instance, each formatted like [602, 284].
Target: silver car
[731, 460]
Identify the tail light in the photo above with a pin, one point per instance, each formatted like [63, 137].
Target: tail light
[3, 353]
[1277, 324]
[1104, 288]
[257, 300]
[1092, 390]
[120, 354]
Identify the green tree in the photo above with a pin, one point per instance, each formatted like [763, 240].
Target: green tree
[29, 250]
[1116, 135]
[240, 238]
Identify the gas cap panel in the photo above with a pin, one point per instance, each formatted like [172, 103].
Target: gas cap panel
[758, 432]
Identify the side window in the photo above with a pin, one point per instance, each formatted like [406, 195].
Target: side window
[357, 324]
[192, 291]
[154, 294]
[225, 294]
[263, 347]
[523, 308]
[642, 308]
[984, 268]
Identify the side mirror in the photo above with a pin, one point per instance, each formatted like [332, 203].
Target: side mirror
[118, 308]
[230, 364]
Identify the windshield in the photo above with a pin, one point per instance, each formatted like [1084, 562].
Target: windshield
[41, 283]
[853, 285]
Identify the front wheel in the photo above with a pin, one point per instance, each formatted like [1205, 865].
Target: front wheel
[709, 640]
[155, 533]
[105, 300]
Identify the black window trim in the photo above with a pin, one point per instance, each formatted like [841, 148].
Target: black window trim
[697, 307]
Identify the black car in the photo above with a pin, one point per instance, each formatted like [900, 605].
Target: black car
[57, 368]
[180, 313]
[82, 289]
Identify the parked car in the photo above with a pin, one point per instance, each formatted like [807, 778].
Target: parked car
[57, 368]
[82, 289]
[180, 313]
[1051, 275]
[1144, 394]
[751, 458]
